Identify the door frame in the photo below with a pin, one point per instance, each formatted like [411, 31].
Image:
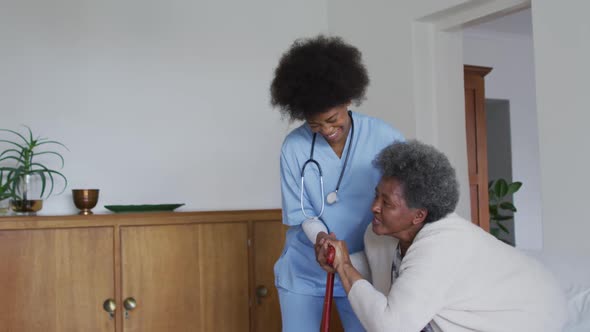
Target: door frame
[476, 133]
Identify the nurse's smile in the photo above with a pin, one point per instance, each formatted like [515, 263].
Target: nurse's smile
[334, 136]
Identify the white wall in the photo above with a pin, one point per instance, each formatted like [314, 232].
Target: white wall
[562, 49]
[163, 102]
[513, 78]
[158, 101]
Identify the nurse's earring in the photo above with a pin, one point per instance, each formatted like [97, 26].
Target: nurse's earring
[332, 197]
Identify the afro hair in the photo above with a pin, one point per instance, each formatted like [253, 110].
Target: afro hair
[317, 74]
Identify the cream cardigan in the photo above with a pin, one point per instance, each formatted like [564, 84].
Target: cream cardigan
[459, 277]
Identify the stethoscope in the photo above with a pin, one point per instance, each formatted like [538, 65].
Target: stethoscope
[333, 196]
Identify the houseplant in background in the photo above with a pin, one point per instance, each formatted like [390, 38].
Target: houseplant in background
[501, 209]
[5, 190]
[30, 180]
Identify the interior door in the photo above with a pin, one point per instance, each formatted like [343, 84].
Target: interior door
[191, 277]
[56, 280]
[475, 123]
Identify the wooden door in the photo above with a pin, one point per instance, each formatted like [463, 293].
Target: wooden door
[475, 122]
[186, 277]
[268, 239]
[56, 280]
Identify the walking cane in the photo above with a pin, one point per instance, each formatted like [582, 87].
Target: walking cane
[325, 327]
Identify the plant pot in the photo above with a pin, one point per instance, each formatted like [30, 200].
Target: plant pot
[28, 195]
[29, 206]
[4, 205]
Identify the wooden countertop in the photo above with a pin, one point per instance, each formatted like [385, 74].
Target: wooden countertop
[131, 219]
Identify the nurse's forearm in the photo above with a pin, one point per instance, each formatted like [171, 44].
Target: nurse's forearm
[312, 227]
[348, 275]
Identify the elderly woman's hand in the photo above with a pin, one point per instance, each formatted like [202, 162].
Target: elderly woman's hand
[341, 250]
[321, 250]
[341, 265]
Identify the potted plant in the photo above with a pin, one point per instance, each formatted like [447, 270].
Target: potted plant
[29, 180]
[501, 209]
[5, 190]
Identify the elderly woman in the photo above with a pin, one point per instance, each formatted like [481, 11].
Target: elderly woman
[433, 270]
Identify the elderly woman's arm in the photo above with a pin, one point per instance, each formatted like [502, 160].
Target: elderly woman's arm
[417, 295]
[429, 270]
[348, 275]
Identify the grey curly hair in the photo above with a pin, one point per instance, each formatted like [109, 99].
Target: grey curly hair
[428, 180]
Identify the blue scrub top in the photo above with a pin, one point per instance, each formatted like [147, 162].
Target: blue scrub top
[297, 269]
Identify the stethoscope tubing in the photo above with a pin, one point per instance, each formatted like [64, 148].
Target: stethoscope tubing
[321, 190]
[313, 161]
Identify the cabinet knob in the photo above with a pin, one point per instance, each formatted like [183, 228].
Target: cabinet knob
[261, 292]
[109, 306]
[130, 303]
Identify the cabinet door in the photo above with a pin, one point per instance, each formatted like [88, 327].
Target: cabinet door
[56, 279]
[268, 242]
[186, 277]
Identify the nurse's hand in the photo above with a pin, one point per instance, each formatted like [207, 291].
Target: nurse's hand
[322, 236]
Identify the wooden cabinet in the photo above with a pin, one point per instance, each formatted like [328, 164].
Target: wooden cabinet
[194, 271]
[56, 279]
[190, 277]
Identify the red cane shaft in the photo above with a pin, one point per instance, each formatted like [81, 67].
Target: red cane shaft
[327, 304]
[325, 327]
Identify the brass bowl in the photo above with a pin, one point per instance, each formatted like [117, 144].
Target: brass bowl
[85, 200]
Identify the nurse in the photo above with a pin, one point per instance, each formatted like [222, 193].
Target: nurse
[326, 171]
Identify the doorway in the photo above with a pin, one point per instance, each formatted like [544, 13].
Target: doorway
[500, 156]
[506, 44]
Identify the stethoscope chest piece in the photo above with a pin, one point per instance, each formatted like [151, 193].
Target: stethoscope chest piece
[332, 198]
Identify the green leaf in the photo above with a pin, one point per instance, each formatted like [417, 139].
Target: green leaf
[514, 187]
[492, 195]
[16, 133]
[501, 188]
[495, 232]
[53, 153]
[52, 142]
[501, 217]
[503, 228]
[13, 143]
[493, 210]
[16, 159]
[508, 206]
